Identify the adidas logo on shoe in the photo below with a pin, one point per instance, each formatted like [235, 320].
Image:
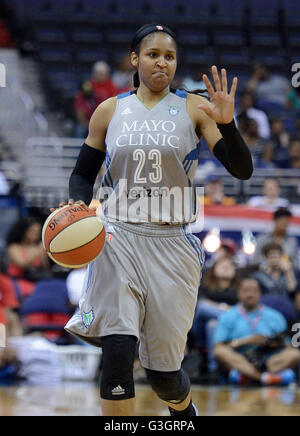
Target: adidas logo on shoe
[126, 111]
[118, 390]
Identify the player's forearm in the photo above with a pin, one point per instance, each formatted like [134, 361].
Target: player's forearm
[80, 189]
[233, 153]
[84, 175]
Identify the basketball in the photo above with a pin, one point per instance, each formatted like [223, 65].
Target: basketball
[73, 236]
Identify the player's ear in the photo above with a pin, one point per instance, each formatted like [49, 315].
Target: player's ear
[134, 59]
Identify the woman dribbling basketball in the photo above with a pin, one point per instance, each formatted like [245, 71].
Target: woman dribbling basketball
[144, 285]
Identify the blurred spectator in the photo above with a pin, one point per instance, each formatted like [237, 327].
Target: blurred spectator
[284, 305]
[270, 199]
[214, 192]
[249, 340]
[48, 310]
[220, 283]
[279, 135]
[7, 294]
[294, 153]
[297, 304]
[280, 139]
[261, 150]
[279, 235]
[9, 302]
[227, 250]
[276, 276]
[123, 77]
[193, 81]
[247, 110]
[92, 93]
[84, 105]
[14, 291]
[26, 255]
[267, 86]
[4, 186]
[11, 321]
[294, 100]
[217, 294]
[102, 84]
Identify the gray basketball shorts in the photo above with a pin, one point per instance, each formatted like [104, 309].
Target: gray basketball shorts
[144, 283]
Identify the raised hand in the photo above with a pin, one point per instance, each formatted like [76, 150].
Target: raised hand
[221, 105]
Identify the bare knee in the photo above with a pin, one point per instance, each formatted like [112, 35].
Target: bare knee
[221, 352]
[287, 359]
[293, 357]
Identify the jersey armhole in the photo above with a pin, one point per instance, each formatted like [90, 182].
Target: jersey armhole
[199, 138]
[112, 118]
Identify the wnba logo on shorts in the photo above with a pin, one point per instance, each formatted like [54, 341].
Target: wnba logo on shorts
[2, 336]
[2, 76]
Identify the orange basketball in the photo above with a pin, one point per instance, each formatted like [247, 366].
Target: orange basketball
[73, 236]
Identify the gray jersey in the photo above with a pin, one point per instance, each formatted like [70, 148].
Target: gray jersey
[151, 160]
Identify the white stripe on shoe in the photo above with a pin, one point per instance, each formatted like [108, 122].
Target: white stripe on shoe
[196, 410]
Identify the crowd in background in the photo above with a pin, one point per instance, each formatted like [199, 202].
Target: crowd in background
[271, 278]
[273, 144]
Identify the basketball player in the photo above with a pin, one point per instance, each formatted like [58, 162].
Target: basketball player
[143, 287]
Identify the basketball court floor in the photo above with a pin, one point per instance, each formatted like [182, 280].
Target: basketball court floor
[77, 399]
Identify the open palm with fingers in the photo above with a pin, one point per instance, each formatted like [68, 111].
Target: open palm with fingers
[221, 105]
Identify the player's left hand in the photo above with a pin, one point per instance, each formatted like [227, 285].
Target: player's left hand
[221, 105]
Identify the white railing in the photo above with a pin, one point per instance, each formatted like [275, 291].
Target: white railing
[48, 163]
[19, 119]
[289, 180]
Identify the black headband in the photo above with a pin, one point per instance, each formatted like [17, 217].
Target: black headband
[146, 30]
[140, 34]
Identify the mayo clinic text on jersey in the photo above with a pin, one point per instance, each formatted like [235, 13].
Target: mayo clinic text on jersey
[148, 132]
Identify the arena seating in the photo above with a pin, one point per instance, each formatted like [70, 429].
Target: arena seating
[69, 37]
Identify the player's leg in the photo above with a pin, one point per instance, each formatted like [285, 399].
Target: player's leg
[118, 408]
[117, 384]
[175, 271]
[174, 389]
[110, 315]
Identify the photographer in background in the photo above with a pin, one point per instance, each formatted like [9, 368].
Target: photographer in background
[249, 341]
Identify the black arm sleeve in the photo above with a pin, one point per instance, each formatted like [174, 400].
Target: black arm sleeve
[83, 177]
[233, 152]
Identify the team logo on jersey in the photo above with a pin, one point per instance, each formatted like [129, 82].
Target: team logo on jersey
[88, 318]
[174, 110]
